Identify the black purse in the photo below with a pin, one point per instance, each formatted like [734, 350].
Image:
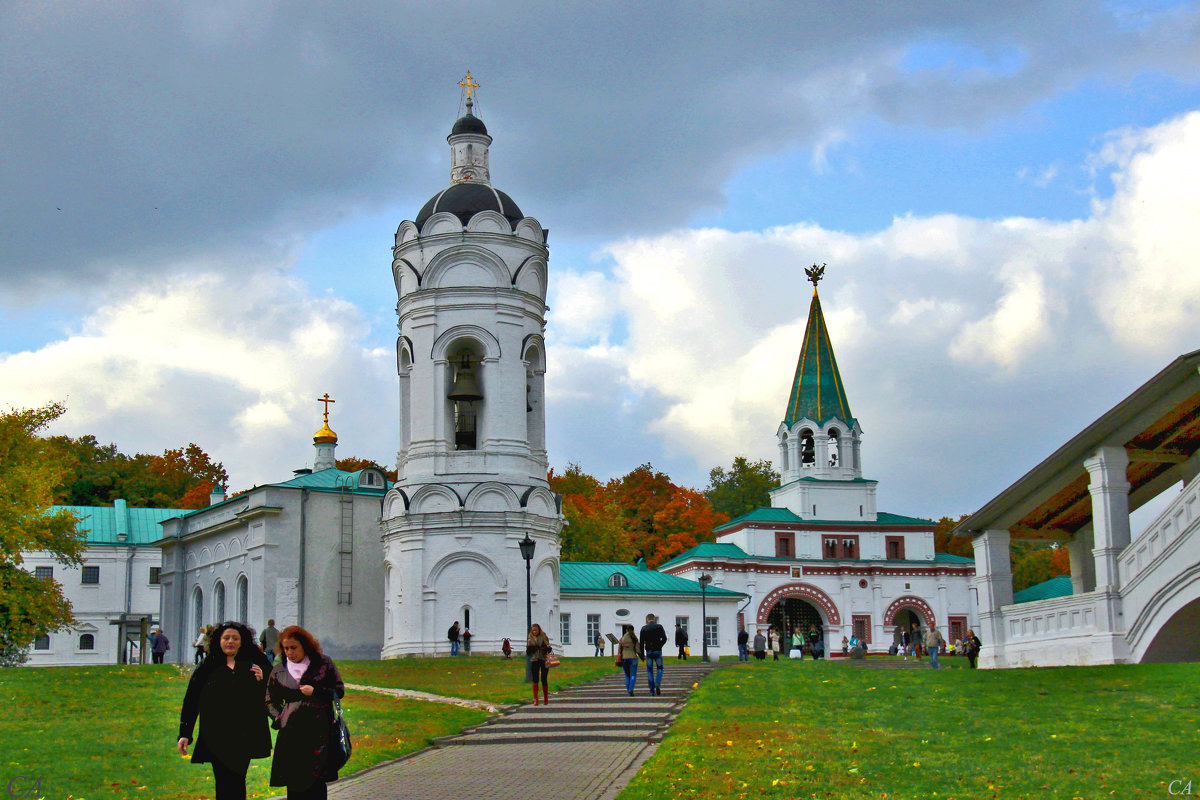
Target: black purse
[340, 746]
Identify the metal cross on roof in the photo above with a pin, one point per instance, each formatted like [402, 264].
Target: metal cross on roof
[469, 84]
[326, 400]
[815, 273]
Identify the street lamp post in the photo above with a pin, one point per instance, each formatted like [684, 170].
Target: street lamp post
[527, 546]
[705, 580]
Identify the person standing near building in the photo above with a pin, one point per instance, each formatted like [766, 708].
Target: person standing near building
[452, 635]
[466, 640]
[915, 636]
[681, 641]
[300, 696]
[268, 639]
[743, 641]
[653, 639]
[760, 646]
[226, 693]
[599, 643]
[972, 646]
[627, 653]
[933, 644]
[159, 645]
[537, 649]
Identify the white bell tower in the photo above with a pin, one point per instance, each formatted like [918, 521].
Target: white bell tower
[471, 275]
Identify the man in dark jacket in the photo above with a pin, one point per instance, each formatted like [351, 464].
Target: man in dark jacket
[452, 635]
[159, 645]
[651, 642]
[743, 640]
[681, 641]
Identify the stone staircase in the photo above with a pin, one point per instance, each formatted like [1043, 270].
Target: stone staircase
[599, 711]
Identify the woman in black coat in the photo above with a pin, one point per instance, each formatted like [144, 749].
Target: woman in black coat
[226, 692]
[300, 695]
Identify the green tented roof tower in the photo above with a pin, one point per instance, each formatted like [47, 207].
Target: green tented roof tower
[817, 391]
[819, 438]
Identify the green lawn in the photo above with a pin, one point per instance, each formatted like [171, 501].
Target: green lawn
[788, 730]
[110, 732]
[478, 677]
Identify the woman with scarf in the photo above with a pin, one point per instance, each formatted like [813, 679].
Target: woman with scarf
[300, 695]
[226, 692]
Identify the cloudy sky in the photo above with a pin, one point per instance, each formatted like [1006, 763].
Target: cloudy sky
[198, 203]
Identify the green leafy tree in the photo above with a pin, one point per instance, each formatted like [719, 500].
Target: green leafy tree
[742, 488]
[943, 542]
[98, 474]
[29, 472]
[354, 464]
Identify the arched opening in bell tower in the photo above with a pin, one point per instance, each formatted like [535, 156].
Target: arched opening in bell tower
[808, 449]
[835, 446]
[466, 396]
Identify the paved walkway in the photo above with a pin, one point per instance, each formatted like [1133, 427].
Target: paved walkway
[585, 745]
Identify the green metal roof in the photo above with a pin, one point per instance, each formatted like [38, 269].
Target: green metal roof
[766, 514]
[1046, 590]
[817, 391]
[728, 550]
[590, 577]
[334, 480]
[104, 524]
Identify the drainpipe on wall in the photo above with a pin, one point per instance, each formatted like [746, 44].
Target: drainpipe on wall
[303, 532]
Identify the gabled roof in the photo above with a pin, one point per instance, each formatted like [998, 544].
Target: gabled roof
[1055, 587]
[104, 524]
[591, 577]
[817, 390]
[783, 515]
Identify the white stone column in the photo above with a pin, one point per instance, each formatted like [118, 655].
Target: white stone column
[1110, 512]
[993, 586]
[1083, 563]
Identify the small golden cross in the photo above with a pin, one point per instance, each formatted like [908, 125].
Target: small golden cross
[469, 84]
[326, 400]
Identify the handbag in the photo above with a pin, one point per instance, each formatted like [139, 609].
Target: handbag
[552, 661]
[340, 746]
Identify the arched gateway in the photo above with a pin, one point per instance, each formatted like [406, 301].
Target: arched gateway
[808, 595]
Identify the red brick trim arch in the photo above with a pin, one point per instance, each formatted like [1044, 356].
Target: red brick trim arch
[913, 603]
[804, 591]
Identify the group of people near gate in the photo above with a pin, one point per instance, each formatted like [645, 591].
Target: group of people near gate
[238, 693]
[910, 644]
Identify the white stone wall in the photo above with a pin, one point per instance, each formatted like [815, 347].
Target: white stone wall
[97, 605]
[666, 608]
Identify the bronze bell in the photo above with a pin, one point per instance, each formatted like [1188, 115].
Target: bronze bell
[465, 389]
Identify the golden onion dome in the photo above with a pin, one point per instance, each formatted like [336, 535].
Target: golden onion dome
[325, 435]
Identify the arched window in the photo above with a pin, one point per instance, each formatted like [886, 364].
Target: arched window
[835, 446]
[197, 608]
[219, 601]
[466, 397]
[87, 642]
[808, 450]
[617, 581]
[243, 600]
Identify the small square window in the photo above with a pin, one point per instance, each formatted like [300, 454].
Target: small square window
[91, 575]
[45, 573]
[155, 572]
[42, 642]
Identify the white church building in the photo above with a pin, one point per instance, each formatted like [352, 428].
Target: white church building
[822, 555]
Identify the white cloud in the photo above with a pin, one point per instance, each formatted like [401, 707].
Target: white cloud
[954, 335]
[234, 364]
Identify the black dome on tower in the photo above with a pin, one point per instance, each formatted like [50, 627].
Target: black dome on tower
[465, 200]
[469, 123]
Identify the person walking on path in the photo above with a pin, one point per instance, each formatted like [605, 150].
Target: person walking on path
[627, 656]
[300, 695]
[916, 640]
[226, 692]
[972, 645]
[681, 641]
[159, 645]
[537, 648]
[201, 645]
[933, 644]
[743, 642]
[452, 635]
[269, 640]
[760, 646]
[653, 639]
[599, 643]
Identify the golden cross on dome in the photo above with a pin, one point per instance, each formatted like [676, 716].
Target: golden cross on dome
[469, 84]
[326, 400]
